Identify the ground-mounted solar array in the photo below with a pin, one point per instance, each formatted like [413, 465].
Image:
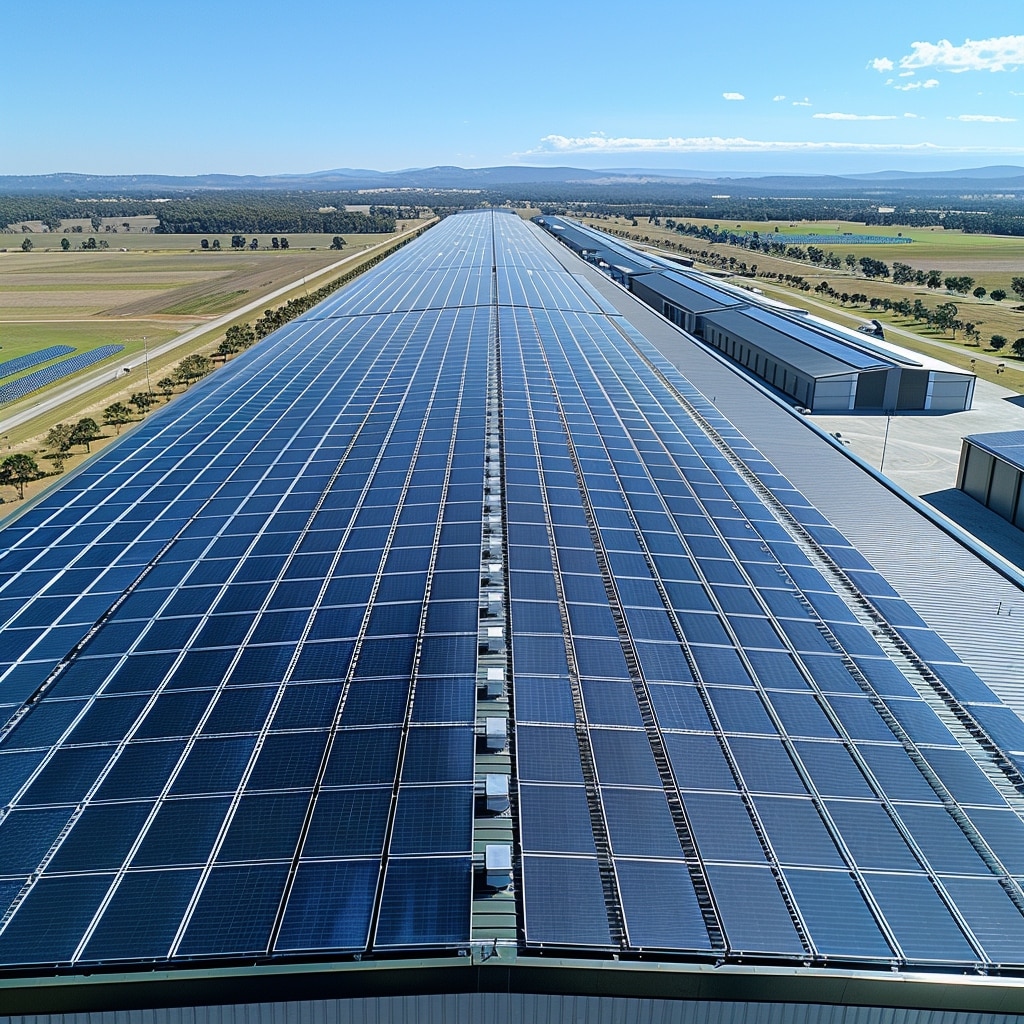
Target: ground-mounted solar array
[263, 661]
[19, 363]
[55, 371]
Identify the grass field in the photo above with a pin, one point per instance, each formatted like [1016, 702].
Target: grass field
[49, 241]
[991, 259]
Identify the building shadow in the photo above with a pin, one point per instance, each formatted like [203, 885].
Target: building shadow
[992, 530]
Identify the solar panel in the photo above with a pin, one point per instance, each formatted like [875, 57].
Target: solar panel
[248, 655]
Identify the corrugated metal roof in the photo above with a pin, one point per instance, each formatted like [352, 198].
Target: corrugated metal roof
[689, 293]
[514, 1007]
[795, 342]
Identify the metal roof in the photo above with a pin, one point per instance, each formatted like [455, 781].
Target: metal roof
[809, 351]
[953, 585]
[690, 293]
[263, 657]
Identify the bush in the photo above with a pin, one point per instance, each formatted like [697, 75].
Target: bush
[997, 342]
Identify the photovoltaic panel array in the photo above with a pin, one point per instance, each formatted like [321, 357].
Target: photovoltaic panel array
[241, 654]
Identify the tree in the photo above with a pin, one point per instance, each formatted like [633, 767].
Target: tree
[216, 243]
[284, 243]
[945, 315]
[65, 244]
[997, 294]
[1018, 348]
[192, 368]
[142, 400]
[26, 246]
[18, 470]
[274, 243]
[117, 415]
[166, 386]
[1017, 284]
[237, 242]
[997, 342]
[934, 279]
[60, 437]
[338, 242]
[254, 244]
[204, 244]
[979, 292]
[85, 431]
[902, 273]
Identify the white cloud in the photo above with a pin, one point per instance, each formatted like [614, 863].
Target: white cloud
[1001, 53]
[778, 99]
[987, 118]
[603, 144]
[733, 96]
[805, 102]
[882, 64]
[932, 83]
[907, 74]
[856, 117]
[914, 116]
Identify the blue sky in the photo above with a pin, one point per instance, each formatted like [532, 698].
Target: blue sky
[111, 86]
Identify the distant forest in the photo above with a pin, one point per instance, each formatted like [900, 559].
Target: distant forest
[982, 216]
[209, 211]
[215, 212]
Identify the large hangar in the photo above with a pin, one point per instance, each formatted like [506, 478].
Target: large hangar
[819, 365]
[451, 642]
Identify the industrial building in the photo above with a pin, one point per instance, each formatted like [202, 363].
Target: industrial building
[819, 365]
[991, 468]
[452, 654]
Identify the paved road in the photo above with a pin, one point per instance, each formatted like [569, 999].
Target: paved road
[55, 397]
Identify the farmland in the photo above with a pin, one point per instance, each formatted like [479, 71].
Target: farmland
[143, 299]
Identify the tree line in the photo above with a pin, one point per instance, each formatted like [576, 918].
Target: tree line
[215, 212]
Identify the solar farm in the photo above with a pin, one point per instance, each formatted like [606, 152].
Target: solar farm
[453, 622]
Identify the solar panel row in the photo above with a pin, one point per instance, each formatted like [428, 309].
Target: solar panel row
[241, 652]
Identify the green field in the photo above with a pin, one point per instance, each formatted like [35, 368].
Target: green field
[991, 259]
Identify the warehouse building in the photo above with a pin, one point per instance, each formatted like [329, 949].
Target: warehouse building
[819, 365]
[991, 468]
[827, 370]
[451, 654]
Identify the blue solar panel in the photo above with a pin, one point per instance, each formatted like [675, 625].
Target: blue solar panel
[297, 681]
